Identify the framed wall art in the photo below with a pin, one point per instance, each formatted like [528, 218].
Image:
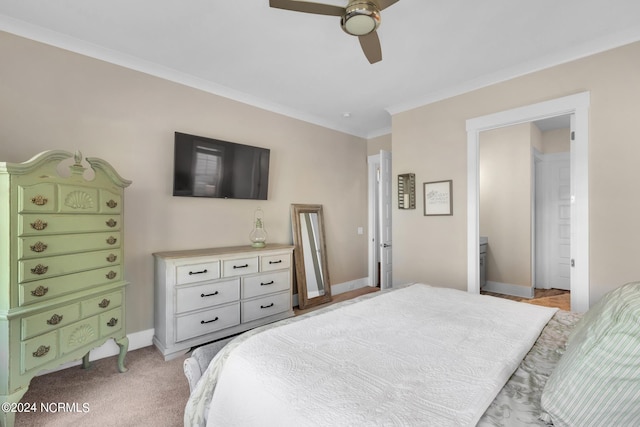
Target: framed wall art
[438, 198]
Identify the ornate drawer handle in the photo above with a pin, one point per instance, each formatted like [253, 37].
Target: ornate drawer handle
[55, 319]
[40, 291]
[40, 269]
[209, 295]
[198, 272]
[104, 303]
[38, 247]
[202, 322]
[111, 275]
[111, 223]
[112, 203]
[113, 322]
[39, 225]
[266, 306]
[275, 262]
[41, 351]
[112, 240]
[268, 283]
[112, 258]
[39, 200]
[241, 266]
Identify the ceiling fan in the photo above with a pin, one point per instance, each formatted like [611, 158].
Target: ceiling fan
[359, 18]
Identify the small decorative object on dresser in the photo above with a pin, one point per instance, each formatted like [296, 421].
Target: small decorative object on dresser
[258, 235]
[61, 267]
[205, 295]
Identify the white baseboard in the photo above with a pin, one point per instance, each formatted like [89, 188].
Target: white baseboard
[509, 289]
[110, 348]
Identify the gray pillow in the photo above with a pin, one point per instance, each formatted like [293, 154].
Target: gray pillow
[597, 381]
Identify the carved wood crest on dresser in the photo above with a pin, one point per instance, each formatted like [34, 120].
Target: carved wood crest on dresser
[61, 266]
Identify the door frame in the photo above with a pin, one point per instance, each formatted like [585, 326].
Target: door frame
[578, 105]
[377, 200]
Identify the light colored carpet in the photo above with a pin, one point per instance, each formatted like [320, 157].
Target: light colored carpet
[152, 393]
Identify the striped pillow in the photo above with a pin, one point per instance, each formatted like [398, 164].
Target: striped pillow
[597, 381]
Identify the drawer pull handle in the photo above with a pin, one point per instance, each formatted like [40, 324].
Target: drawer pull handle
[39, 269]
[104, 303]
[112, 258]
[111, 223]
[112, 203]
[39, 225]
[198, 272]
[41, 351]
[40, 291]
[267, 306]
[111, 275]
[112, 240]
[203, 322]
[38, 247]
[275, 262]
[268, 283]
[55, 319]
[113, 322]
[241, 266]
[39, 200]
[209, 295]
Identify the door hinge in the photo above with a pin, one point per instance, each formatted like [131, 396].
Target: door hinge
[573, 262]
[573, 135]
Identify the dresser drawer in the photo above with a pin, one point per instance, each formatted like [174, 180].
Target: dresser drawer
[200, 272]
[49, 320]
[37, 198]
[239, 266]
[265, 284]
[38, 246]
[45, 289]
[266, 306]
[207, 295]
[275, 262]
[110, 202]
[111, 322]
[42, 268]
[204, 322]
[38, 224]
[101, 303]
[38, 351]
[79, 334]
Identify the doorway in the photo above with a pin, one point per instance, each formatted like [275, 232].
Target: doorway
[380, 248]
[578, 106]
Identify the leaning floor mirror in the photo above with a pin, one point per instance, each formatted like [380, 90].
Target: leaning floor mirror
[312, 273]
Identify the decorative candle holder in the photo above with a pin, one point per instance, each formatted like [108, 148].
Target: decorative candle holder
[258, 235]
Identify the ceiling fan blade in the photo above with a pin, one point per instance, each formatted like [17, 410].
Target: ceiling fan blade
[308, 7]
[386, 3]
[371, 47]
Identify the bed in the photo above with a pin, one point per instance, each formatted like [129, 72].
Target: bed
[424, 355]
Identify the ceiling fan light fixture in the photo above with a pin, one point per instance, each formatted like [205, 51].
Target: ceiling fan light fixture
[361, 18]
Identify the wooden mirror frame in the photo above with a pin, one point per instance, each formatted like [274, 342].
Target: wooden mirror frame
[303, 299]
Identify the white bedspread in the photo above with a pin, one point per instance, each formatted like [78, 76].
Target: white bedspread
[418, 356]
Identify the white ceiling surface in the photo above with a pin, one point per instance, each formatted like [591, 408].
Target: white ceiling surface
[306, 67]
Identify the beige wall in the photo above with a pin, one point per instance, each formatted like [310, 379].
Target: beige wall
[54, 99]
[431, 141]
[555, 141]
[505, 202]
[374, 145]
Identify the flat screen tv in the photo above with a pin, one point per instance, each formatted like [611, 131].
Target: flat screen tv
[206, 167]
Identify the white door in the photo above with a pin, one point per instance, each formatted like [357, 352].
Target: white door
[560, 217]
[386, 276]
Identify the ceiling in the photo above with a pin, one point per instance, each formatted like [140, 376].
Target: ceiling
[306, 67]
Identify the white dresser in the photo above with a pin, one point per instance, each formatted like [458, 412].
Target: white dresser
[207, 294]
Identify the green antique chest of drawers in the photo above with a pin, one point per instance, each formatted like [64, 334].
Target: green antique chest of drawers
[61, 266]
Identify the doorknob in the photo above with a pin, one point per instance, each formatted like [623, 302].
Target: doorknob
[386, 245]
